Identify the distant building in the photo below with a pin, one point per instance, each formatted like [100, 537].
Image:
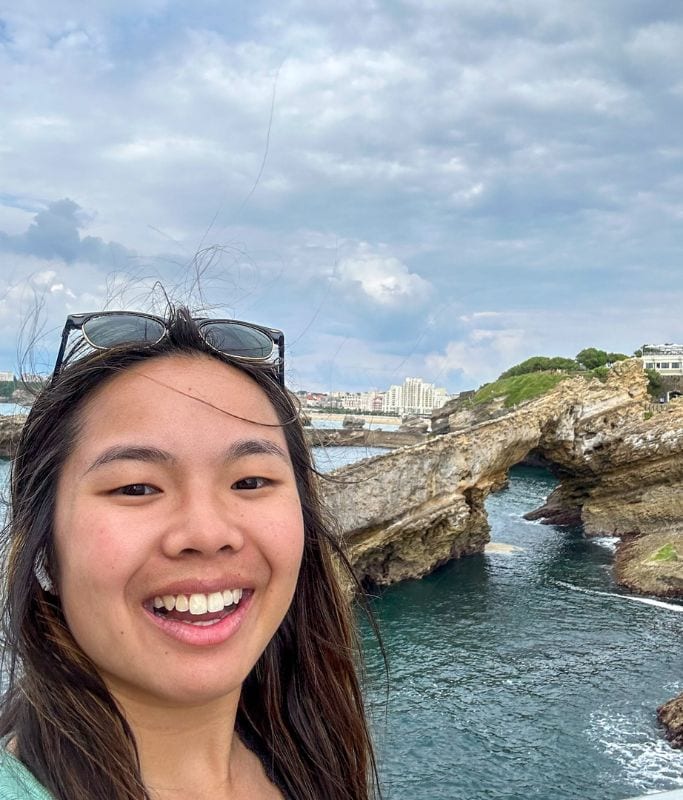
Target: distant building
[6, 377]
[414, 397]
[665, 358]
[313, 399]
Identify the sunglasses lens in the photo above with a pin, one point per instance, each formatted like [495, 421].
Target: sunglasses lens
[238, 340]
[113, 329]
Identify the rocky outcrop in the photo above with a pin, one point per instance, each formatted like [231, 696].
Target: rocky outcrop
[652, 564]
[620, 464]
[353, 423]
[413, 424]
[670, 716]
[461, 413]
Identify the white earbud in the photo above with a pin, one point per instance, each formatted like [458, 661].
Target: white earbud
[41, 573]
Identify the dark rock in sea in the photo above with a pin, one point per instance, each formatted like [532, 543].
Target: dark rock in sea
[353, 423]
[670, 715]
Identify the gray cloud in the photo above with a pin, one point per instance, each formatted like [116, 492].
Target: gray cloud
[55, 234]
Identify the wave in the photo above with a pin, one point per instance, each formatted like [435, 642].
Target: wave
[608, 542]
[646, 600]
[647, 764]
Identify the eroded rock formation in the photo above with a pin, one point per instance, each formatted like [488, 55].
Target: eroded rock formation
[619, 460]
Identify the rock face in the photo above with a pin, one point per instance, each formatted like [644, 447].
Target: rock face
[620, 461]
[671, 717]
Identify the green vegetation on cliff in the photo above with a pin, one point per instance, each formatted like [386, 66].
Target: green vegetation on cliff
[666, 553]
[541, 364]
[539, 374]
[590, 359]
[654, 382]
[519, 388]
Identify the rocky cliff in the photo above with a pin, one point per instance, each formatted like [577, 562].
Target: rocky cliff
[620, 463]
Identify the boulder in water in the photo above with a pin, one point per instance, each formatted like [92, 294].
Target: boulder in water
[670, 714]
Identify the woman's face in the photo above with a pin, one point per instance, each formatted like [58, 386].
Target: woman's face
[168, 509]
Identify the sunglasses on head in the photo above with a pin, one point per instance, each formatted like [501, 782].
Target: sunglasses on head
[242, 341]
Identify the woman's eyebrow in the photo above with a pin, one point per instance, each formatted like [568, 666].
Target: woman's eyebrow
[255, 447]
[130, 453]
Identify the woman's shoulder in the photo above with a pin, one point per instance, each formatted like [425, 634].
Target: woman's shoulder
[16, 782]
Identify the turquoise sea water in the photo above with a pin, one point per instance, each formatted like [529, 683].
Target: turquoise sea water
[522, 675]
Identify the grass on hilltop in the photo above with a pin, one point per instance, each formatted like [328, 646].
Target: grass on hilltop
[519, 388]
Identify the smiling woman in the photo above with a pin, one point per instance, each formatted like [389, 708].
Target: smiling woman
[173, 625]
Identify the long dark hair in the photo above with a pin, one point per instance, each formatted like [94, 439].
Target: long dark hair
[301, 704]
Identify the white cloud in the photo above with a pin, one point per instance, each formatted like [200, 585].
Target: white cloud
[385, 280]
[479, 356]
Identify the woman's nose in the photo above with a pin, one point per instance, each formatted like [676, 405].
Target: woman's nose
[206, 523]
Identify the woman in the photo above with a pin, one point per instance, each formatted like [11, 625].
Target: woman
[173, 626]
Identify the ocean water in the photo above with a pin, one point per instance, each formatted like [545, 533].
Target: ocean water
[525, 674]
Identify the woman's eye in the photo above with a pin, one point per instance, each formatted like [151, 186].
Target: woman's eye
[136, 490]
[250, 483]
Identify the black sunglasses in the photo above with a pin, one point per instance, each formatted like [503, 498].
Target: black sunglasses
[242, 341]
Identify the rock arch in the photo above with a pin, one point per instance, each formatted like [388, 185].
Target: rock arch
[621, 467]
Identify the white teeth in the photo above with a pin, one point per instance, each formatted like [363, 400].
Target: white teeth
[215, 602]
[198, 604]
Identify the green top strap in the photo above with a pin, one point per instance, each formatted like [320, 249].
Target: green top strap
[17, 783]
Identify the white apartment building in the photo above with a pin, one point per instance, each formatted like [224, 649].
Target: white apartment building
[6, 376]
[665, 358]
[414, 397]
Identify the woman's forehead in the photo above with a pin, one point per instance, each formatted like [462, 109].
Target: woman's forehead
[179, 390]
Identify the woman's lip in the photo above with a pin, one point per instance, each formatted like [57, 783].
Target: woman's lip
[202, 636]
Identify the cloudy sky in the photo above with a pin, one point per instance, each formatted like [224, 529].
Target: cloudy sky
[437, 188]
